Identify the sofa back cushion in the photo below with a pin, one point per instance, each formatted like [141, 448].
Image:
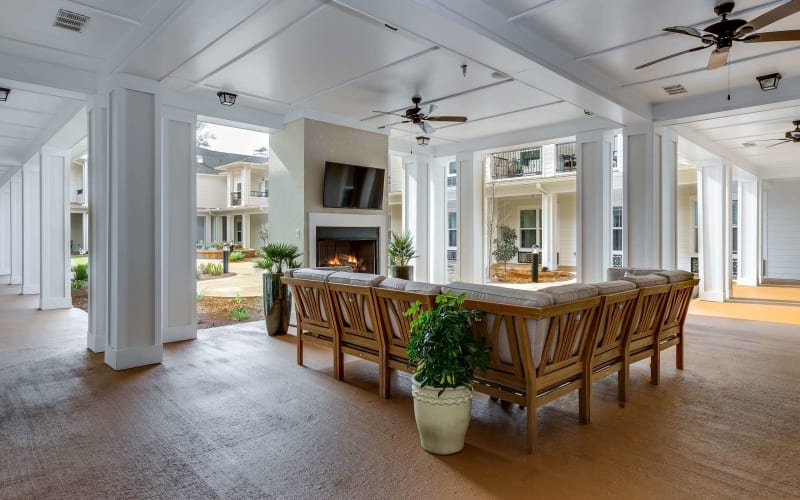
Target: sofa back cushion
[570, 293]
[646, 280]
[617, 273]
[676, 276]
[359, 279]
[612, 287]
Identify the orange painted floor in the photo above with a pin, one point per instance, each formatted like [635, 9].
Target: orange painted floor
[754, 303]
[767, 292]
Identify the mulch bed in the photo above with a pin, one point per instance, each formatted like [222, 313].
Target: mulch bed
[211, 311]
[521, 273]
[207, 277]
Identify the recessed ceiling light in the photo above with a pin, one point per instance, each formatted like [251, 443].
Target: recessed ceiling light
[498, 75]
[4, 94]
[71, 21]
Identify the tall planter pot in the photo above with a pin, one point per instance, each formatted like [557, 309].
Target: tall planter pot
[442, 421]
[277, 304]
[403, 272]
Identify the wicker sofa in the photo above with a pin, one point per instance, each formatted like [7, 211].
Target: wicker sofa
[544, 344]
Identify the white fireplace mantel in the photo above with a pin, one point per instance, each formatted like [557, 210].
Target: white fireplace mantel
[339, 219]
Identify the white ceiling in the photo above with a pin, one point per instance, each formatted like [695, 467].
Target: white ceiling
[319, 57]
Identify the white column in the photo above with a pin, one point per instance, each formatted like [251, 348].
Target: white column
[749, 229]
[713, 196]
[245, 173]
[55, 291]
[246, 231]
[85, 228]
[416, 218]
[31, 224]
[593, 152]
[97, 190]
[230, 227]
[550, 231]
[669, 197]
[642, 197]
[85, 184]
[5, 230]
[15, 185]
[437, 210]
[178, 256]
[471, 175]
[135, 229]
[207, 229]
[217, 236]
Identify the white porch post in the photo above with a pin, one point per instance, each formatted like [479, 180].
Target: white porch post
[550, 231]
[642, 197]
[437, 215]
[96, 190]
[749, 229]
[246, 231]
[669, 197]
[135, 229]
[15, 185]
[230, 227]
[713, 194]
[31, 224]
[178, 202]
[593, 153]
[55, 291]
[245, 173]
[217, 236]
[85, 229]
[5, 230]
[471, 174]
[207, 229]
[416, 217]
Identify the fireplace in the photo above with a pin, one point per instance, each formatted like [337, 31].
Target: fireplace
[356, 247]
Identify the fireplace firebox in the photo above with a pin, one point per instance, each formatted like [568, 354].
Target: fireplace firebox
[356, 247]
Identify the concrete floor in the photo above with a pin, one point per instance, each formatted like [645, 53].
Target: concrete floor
[231, 415]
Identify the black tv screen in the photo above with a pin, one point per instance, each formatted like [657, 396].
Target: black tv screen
[351, 186]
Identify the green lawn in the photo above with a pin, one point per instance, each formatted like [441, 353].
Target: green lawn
[78, 259]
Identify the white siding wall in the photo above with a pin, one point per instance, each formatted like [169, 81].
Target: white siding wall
[685, 225]
[782, 229]
[567, 227]
[211, 191]
[75, 183]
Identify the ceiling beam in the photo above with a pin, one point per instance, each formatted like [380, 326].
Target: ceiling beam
[38, 74]
[62, 118]
[533, 10]
[103, 12]
[713, 147]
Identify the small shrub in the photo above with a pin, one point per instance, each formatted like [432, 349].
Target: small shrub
[505, 245]
[238, 312]
[82, 272]
[214, 269]
[264, 263]
[235, 256]
[200, 296]
[78, 284]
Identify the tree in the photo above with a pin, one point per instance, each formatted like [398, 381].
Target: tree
[505, 245]
[204, 136]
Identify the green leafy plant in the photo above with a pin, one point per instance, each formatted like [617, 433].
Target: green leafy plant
[81, 272]
[505, 245]
[235, 256]
[275, 257]
[401, 248]
[263, 234]
[200, 296]
[442, 345]
[238, 312]
[78, 284]
[210, 268]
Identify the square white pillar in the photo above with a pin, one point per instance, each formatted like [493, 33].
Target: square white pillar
[437, 216]
[749, 230]
[642, 197]
[713, 196]
[668, 185]
[99, 225]
[15, 184]
[55, 291]
[177, 253]
[416, 217]
[471, 247]
[31, 224]
[593, 153]
[5, 230]
[550, 231]
[207, 229]
[135, 230]
[246, 231]
[230, 227]
[85, 231]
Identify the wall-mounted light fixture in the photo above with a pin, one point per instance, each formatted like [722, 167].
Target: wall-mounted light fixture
[4, 94]
[226, 98]
[422, 140]
[769, 82]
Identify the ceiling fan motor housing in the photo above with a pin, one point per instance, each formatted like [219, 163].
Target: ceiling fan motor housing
[724, 7]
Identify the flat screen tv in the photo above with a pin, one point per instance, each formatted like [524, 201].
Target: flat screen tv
[351, 186]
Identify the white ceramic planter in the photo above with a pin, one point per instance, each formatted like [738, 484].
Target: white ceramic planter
[442, 421]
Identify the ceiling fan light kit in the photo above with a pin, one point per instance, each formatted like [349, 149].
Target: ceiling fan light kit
[420, 117]
[769, 82]
[722, 34]
[423, 140]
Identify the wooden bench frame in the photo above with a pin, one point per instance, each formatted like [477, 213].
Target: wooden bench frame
[311, 298]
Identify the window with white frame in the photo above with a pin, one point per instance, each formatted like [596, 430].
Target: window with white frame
[695, 230]
[530, 228]
[735, 225]
[451, 174]
[616, 229]
[452, 235]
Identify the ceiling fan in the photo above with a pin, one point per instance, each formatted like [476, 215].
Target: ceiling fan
[417, 116]
[790, 136]
[723, 33]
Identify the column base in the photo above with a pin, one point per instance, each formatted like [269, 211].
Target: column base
[747, 282]
[178, 333]
[48, 303]
[95, 343]
[30, 289]
[713, 296]
[122, 359]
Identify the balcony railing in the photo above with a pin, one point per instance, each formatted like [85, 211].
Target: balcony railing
[519, 163]
[236, 199]
[451, 180]
[260, 194]
[565, 157]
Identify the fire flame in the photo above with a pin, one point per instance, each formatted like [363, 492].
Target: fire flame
[350, 260]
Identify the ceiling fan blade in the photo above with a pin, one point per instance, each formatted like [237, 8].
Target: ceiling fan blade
[431, 107]
[770, 17]
[425, 126]
[718, 59]
[774, 36]
[447, 118]
[393, 124]
[685, 30]
[672, 55]
[779, 143]
[389, 113]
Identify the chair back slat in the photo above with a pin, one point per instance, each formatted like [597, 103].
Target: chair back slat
[678, 305]
[355, 313]
[503, 334]
[568, 335]
[313, 306]
[391, 306]
[650, 313]
[615, 319]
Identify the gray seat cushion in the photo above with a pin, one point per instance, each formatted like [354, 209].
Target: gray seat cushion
[617, 273]
[676, 276]
[612, 287]
[351, 278]
[499, 294]
[312, 274]
[394, 284]
[646, 280]
[570, 293]
[423, 288]
[290, 272]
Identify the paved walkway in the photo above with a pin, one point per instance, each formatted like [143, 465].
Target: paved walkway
[247, 282]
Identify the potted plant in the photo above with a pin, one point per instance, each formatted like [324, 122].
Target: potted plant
[446, 353]
[401, 251]
[275, 258]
